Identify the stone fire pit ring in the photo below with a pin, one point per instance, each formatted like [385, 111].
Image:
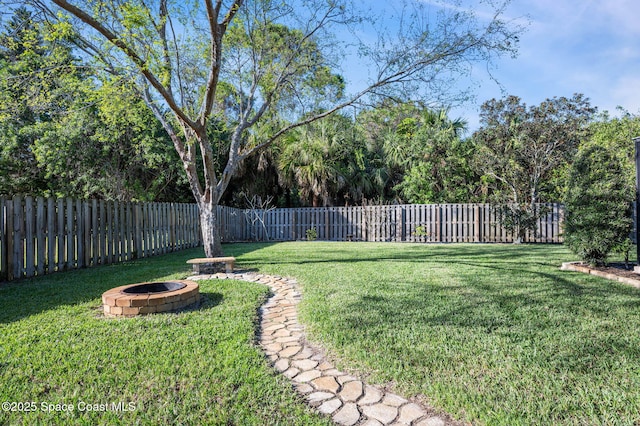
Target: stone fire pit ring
[149, 297]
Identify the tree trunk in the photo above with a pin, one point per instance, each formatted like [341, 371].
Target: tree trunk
[210, 231]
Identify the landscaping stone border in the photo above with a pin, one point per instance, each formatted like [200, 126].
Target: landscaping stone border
[346, 398]
[581, 267]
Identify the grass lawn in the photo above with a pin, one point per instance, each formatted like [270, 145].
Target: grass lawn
[493, 334]
[197, 367]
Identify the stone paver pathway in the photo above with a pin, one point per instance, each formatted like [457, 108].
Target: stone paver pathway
[347, 399]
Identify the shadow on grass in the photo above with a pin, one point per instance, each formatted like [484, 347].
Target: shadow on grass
[22, 298]
[530, 289]
[575, 322]
[27, 297]
[338, 252]
[208, 300]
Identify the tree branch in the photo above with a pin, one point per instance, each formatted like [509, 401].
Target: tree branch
[185, 151]
[217, 31]
[131, 53]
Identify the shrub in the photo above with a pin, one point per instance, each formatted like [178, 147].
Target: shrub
[519, 219]
[598, 205]
[312, 234]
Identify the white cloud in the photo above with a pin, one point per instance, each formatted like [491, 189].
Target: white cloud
[570, 46]
[624, 93]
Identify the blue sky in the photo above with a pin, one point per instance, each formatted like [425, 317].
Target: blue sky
[569, 46]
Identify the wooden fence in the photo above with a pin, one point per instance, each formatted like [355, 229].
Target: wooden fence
[39, 236]
[413, 223]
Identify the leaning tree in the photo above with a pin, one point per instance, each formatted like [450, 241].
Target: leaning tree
[265, 67]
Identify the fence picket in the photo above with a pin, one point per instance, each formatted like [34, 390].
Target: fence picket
[18, 237]
[3, 239]
[29, 237]
[86, 233]
[9, 206]
[69, 235]
[41, 242]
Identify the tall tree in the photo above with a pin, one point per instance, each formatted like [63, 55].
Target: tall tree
[35, 81]
[435, 161]
[616, 133]
[109, 145]
[246, 61]
[520, 149]
[63, 132]
[600, 189]
[311, 159]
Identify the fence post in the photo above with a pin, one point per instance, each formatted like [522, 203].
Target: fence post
[70, 237]
[86, 213]
[439, 223]
[18, 237]
[135, 253]
[109, 207]
[10, 240]
[172, 227]
[476, 223]
[41, 245]
[29, 237]
[79, 234]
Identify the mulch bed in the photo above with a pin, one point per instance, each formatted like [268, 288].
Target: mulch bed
[613, 271]
[619, 269]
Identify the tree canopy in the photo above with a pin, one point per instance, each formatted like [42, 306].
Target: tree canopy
[112, 99]
[524, 152]
[262, 68]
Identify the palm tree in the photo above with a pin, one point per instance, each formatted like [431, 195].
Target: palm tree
[308, 160]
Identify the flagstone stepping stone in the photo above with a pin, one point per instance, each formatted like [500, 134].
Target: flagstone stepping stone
[304, 364]
[289, 352]
[351, 391]
[384, 413]
[303, 388]
[291, 373]
[410, 412]
[431, 421]
[371, 395]
[327, 383]
[282, 365]
[305, 353]
[319, 396]
[348, 415]
[393, 400]
[308, 376]
[346, 378]
[330, 406]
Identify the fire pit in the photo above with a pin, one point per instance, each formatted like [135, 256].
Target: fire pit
[147, 298]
